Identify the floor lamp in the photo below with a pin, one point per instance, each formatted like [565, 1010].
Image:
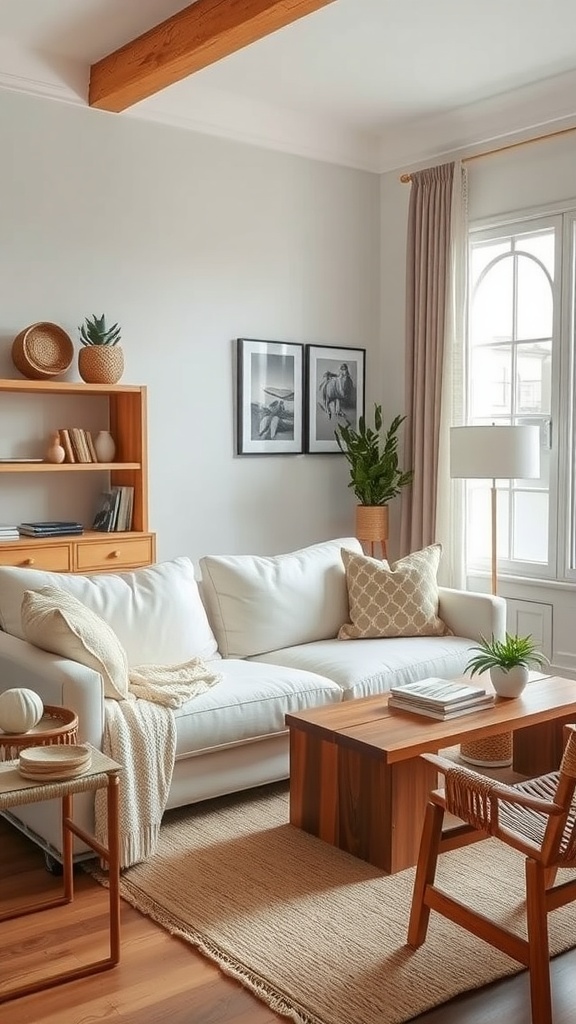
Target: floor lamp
[495, 453]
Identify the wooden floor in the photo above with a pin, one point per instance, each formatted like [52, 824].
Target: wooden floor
[160, 979]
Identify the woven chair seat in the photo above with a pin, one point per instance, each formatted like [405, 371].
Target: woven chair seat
[531, 825]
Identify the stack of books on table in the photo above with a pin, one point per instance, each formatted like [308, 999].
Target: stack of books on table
[52, 528]
[9, 533]
[440, 698]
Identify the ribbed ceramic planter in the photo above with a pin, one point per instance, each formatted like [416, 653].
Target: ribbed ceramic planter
[101, 364]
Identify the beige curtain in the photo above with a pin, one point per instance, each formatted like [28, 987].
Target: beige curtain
[450, 496]
[427, 277]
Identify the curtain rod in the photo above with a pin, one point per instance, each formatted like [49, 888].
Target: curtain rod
[405, 178]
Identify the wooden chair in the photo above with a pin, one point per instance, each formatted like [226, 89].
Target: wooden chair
[536, 817]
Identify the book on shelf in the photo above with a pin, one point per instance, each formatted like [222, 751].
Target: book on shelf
[67, 444]
[107, 511]
[124, 520]
[443, 715]
[438, 693]
[91, 448]
[9, 533]
[79, 445]
[50, 528]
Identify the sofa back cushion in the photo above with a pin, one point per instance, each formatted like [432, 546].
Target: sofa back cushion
[155, 612]
[259, 603]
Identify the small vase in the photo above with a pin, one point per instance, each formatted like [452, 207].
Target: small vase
[104, 446]
[55, 451]
[509, 683]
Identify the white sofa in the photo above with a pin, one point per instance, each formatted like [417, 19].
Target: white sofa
[269, 626]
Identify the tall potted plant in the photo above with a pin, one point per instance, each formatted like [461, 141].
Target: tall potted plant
[375, 475]
[101, 359]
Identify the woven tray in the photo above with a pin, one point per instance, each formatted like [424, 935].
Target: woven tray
[57, 725]
[42, 350]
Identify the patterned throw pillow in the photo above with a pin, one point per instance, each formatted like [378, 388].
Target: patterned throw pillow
[393, 600]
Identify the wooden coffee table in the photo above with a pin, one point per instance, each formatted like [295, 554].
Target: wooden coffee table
[357, 781]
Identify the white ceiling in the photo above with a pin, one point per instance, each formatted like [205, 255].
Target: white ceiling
[377, 84]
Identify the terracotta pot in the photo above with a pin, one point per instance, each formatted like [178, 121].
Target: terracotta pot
[510, 683]
[101, 364]
[372, 522]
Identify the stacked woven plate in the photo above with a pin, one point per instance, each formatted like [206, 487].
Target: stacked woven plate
[54, 763]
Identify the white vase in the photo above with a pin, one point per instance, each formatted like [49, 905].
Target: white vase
[510, 683]
[104, 446]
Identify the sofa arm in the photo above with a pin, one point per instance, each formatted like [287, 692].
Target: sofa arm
[472, 615]
[58, 681]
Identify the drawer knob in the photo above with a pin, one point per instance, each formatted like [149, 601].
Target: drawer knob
[28, 561]
[115, 554]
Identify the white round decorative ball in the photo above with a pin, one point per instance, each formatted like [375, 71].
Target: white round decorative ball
[20, 710]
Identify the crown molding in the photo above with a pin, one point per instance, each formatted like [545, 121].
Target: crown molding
[259, 123]
[464, 131]
[511, 117]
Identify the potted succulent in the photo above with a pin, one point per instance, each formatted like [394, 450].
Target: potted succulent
[508, 661]
[375, 476]
[101, 359]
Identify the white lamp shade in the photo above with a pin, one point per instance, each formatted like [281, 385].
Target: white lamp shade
[497, 453]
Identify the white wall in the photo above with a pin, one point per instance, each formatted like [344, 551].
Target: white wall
[519, 179]
[190, 242]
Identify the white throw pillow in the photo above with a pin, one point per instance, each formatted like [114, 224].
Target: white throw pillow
[58, 622]
[263, 603]
[156, 612]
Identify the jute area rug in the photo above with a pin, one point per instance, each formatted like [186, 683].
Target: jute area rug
[315, 933]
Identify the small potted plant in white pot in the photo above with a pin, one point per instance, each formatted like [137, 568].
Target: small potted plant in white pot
[509, 662]
[101, 359]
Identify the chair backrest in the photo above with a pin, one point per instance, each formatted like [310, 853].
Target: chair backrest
[559, 843]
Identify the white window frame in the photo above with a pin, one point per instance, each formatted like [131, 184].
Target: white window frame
[563, 220]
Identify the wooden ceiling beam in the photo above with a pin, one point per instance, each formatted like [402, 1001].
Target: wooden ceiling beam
[197, 36]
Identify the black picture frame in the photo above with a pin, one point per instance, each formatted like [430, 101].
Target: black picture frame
[335, 394]
[270, 397]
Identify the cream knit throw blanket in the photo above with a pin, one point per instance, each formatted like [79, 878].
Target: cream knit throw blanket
[140, 733]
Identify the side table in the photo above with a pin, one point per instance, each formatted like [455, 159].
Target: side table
[15, 791]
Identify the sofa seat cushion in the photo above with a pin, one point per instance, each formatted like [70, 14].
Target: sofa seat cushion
[155, 612]
[249, 702]
[367, 667]
[260, 603]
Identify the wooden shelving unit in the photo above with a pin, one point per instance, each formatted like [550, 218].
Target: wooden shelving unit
[92, 551]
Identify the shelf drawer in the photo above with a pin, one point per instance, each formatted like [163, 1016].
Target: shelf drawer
[114, 553]
[52, 557]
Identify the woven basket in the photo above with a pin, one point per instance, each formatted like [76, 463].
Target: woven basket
[372, 522]
[42, 350]
[494, 751]
[57, 725]
[101, 364]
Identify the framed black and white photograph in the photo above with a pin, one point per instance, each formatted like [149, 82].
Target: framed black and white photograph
[270, 400]
[335, 383]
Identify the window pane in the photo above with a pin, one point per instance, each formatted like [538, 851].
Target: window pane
[534, 379]
[530, 526]
[541, 246]
[493, 304]
[534, 310]
[478, 520]
[483, 253]
[491, 381]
